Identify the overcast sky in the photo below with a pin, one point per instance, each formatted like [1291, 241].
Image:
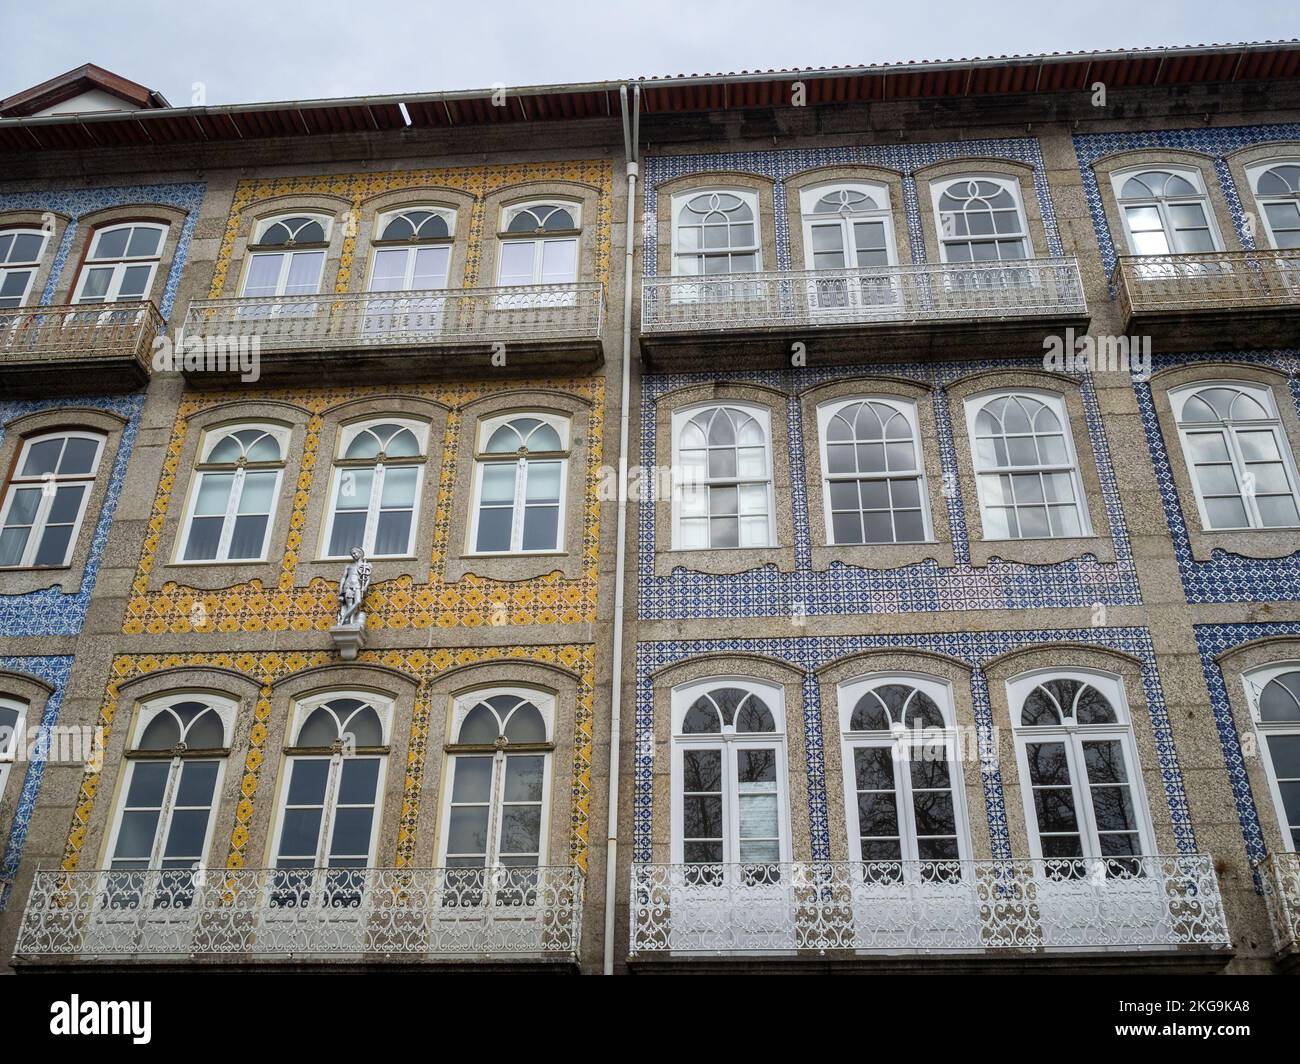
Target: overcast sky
[257, 50]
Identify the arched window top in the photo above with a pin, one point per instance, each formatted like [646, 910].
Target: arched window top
[1057, 699]
[21, 247]
[133, 240]
[1278, 178]
[185, 722]
[61, 454]
[1159, 184]
[1275, 693]
[293, 230]
[391, 438]
[885, 703]
[982, 193]
[845, 199]
[1019, 430]
[1017, 414]
[532, 433]
[1222, 401]
[415, 224]
[246, 444]
[728, 706]
[721, 431]
[870, 435]
[503, 715]
[351, 718]
[547, 217]
[717, 207]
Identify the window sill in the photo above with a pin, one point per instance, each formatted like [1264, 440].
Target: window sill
[1045, 550]
[723, 561]
[882, 555]
[1258, 543]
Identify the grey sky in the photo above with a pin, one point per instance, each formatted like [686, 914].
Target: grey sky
[254, 50]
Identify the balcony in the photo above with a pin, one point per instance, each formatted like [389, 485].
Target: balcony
[428, 917]
[1161, 913]
[1280, 876]
[1214, 301]
[919, 311]
[79, 349]
[438, 334]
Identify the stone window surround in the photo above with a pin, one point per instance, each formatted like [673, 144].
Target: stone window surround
[89, 224]
[831, 176]
[886, 555]
[1251, 542]
[1067, 656]
[1030, 551]
[278, 207]
[496, 202]
[754, 667]
[720, 180]
[1240, 161]
[724, 560]
[1007, 169]
[397, 200]
[68, 578]
[35, 694]
[37, 220]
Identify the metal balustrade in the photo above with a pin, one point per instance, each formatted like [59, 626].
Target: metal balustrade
[80, 332]
[410, 913]
[923, 293]
[1279, 874]
[1219, 280]
[924, 907]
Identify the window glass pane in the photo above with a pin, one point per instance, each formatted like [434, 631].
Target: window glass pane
[135, 282]
[516, 262]
[111, 244]
[304, 273]
[559, 261]
[144, 241]
[541, 527]
[96, 285]
[54, 545]
[263, 275]
[494, 525]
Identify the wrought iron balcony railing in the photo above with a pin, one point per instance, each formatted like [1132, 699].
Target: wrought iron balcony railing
[1280, 876]
[410, 913]
[82, 332]
[1220, 280]
[924, 293]
[924, 907]
[416, 319]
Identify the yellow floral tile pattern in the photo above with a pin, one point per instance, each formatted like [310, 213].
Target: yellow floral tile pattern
[422, 665]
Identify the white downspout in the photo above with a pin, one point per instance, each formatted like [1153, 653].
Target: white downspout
[631, 135]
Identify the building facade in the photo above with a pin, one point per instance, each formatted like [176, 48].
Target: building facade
[878, 487]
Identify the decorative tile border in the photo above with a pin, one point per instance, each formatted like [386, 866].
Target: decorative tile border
[974, 648]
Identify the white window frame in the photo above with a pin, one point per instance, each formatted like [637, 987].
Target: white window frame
[33, 265]
[346, 435]
[679, 202]
[378, 245]
[483, 459]
[1253, 173]
[883, 213]
[286, 252]
[908, 408]
[1072, 736]
[41, 517]
[541, 238]
[679, 419]
[1229, 430]
[728, 742]
[1192, 176]
[211, 438]
[119, 265]
[1010, 184]
[974, 404]
[1254, 683]
[11, 745]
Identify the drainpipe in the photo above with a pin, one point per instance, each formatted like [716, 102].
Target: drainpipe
[631, 135]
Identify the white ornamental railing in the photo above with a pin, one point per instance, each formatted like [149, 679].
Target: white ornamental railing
[336, 912]
[1216, 280]
[82, 331]
[933, 906]
[928, 292]
[1280, 876]
[450, 316]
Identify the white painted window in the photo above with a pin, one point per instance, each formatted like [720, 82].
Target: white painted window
[287, 256]
[1025, 466]
[519, 484]
[1276, 185]
[873, 485]
[980, 218]
[13, 738]
[902, 778]
[499, 767]
[539, 244]
[1273, 693]
[1166, 211]
[1238, 455]
[412, 249]
[236, 486]
[46, 499]
[849, 227]
[715, 232]
[1079, 773]
[730, 803]
[121, 263]
[20, 258]
[375, 489]
[722, 477]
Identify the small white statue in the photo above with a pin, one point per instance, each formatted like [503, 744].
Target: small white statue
[353, 585]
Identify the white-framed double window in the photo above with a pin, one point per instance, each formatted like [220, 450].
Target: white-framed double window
[539, 243]
[412, 251]
[847, 227]
[235, 489]
[980, 218]
[1166, 211]
[375, 488]
[121, 263]
[1238, 455]
[13, 738]
[716, 232]
[1080, 778]
[497, 811]
[730, 800]
[287, 256]
[520, 478]
[873, 476]
[722, 477]
[20, 259]
[1273, 693]
[902, 778]
[1026, 468]
[46, 499]
[1276, 185]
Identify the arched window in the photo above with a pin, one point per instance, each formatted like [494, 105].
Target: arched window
[236, 485]
[722, 472]
[980, 219]
[121, 263]
[1025, 465]
[539, 244]
[1166, 212]
[13, 737]
[730, 802]
[1274, 696]
[715, 231]
[873, 478]
[412, 250]
[376, 488]
[519, 485]
[499, 765]
[1079, 772]
[46, 498]
[902, 778]
[287, 256]
[20, 258]
[1277, 194]
[849, 227]
[1238, 455]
